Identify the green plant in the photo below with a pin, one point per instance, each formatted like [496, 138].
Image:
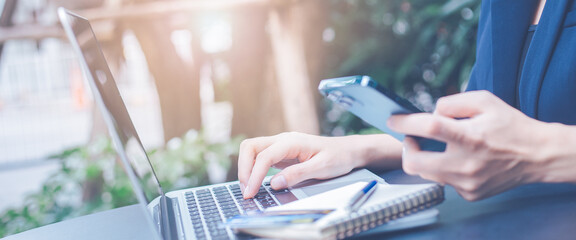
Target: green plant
[69, 191]
[193, 161]
[90, 179]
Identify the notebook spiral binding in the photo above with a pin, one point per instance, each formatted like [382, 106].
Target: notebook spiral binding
[380, 214]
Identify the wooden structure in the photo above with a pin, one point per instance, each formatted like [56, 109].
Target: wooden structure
[273, 59]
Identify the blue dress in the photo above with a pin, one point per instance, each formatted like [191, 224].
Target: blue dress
[545, 88]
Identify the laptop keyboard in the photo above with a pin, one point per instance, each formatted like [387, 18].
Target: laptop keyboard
[209, 208]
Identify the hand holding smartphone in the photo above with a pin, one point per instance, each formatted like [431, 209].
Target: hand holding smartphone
[374, 104]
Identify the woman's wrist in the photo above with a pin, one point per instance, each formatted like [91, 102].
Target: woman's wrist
[377, 150]
[557, 157]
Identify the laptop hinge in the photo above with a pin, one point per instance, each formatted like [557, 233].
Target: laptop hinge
[168, 221]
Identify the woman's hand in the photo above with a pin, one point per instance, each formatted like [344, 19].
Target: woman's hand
[492, 148]
[303, 156]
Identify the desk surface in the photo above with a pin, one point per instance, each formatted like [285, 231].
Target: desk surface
[537, 211]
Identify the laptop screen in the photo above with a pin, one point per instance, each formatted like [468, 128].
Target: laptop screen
[106, 94]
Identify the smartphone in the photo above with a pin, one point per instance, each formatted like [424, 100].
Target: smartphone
[374, 104]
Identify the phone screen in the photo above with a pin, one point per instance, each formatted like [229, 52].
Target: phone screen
[374, 104]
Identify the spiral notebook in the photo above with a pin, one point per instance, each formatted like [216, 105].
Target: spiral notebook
[389, 202]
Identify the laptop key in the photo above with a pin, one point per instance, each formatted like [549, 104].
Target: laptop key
[209, 208]
[267, 204]
[231, 214]
[195, 217]
[279, 191]
[202, 191]
[216, 230]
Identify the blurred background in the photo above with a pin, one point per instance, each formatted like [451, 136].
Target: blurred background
[198, 76]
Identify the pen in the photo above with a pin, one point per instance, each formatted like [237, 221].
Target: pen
[359, 198]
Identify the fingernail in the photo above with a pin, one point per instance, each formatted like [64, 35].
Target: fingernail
[278, 182]
[246, 190]
[403, 151]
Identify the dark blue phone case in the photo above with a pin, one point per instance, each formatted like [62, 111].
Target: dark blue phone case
[374, 104]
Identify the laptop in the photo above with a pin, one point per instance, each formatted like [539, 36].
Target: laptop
[195, 213]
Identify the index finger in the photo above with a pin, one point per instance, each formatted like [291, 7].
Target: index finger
[249, 149]
[465, 105]
[428, 126]
[264, 160]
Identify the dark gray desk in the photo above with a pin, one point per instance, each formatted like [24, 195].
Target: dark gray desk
[538, 211]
